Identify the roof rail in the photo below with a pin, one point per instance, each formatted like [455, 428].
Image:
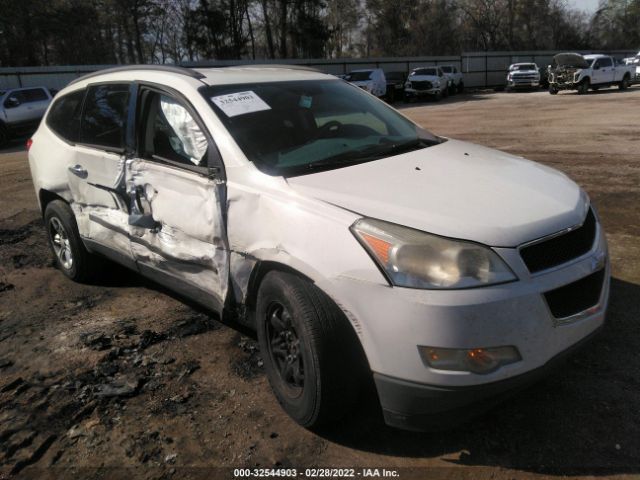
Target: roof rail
[257, 65]
[156, 68]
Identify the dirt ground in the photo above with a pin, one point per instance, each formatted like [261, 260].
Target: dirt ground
[123, 379]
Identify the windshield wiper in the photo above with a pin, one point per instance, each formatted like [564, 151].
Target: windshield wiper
[367, 154]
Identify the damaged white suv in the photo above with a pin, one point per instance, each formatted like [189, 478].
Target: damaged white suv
[356, 244]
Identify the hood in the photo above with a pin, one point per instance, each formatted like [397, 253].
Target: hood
[455, 189]
[572, 60]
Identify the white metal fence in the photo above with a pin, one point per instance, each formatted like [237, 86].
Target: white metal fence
[480, 69]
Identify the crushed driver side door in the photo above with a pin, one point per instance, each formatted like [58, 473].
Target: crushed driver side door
[177, 196]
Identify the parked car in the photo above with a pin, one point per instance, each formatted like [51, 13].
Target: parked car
[395, 85]
[572, 71]
[426, 82]
[21, 110]
[456, 80]
[354, 242]
[523, 75]
[372, 81]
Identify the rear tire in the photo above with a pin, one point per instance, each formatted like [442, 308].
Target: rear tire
[624, 84]
[70, 254]
[4, 135]
[309, 349]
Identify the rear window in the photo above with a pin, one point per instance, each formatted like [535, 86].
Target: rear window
[64, 117]
[105, 116]
[359, 76]
[34, 95]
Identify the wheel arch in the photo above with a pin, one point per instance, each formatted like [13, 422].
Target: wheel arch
[45, 197]
[260, 271]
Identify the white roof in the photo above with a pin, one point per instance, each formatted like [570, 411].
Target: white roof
[253, 73]
[210, 76]
[595, 55]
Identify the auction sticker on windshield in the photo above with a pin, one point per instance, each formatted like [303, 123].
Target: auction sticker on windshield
[240, 103]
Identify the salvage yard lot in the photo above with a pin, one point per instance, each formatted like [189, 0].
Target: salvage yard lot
[123, 374]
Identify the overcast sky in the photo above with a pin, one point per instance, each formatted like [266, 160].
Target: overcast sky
[589, 6]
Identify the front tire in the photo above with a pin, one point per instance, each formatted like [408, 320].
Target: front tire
[553, 90]
[70, 254]
[308, 349]
[584, 86]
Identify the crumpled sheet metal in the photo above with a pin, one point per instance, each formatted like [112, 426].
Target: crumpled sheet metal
[197, 250]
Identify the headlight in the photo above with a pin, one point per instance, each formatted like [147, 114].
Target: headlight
[416, 259]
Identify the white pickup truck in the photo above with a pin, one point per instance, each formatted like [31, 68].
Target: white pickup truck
[572, 71]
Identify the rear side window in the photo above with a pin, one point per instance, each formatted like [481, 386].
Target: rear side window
[64, 117]
[105, 116]
[605, 62]
[34, 95]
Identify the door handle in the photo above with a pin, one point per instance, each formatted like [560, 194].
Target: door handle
[79, 171]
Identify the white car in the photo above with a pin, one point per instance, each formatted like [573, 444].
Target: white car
[372, 81]
[523, 75]
[456, 80]
[426, 82]
[355, 243]
[21, 109]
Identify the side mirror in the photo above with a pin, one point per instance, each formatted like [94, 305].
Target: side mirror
[11, 102]
[596, 66]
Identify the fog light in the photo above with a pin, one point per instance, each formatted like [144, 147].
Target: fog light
[475, 360]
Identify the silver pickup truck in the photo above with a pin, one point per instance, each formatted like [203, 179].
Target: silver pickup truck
[572, 71]
[21, 110]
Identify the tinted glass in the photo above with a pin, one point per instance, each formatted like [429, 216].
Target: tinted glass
[172, 133]
[64, 117]
[432, 72]
[34, 95]
[105, 115]
[359, 76]
[293, 128]
[605, 62]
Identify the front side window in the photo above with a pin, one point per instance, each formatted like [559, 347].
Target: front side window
[64, 117]
[298, 127]
[171, 132]
[105, 116]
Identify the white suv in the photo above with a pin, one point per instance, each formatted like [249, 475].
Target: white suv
[357, 244]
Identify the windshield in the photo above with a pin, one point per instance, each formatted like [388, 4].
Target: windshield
[529, 66]
[298, 127]
[359, 76]
[432, 72]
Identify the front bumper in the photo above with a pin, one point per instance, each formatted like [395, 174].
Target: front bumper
[523, 83]
[412, 92]
[418, 407]
[392, 322]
